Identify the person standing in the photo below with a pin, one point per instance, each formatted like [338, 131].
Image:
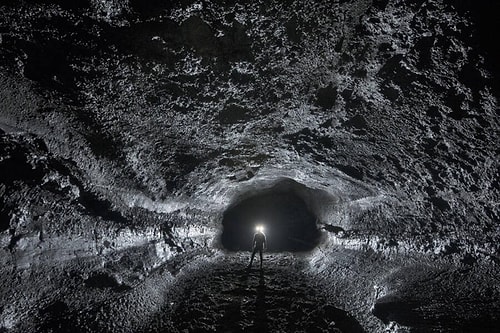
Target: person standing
[259, 244]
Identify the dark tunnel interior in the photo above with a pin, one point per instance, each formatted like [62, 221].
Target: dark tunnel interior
[288, 223]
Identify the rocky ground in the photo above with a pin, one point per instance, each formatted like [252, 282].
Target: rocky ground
[225, 296]
[128, 128]
[355, 291]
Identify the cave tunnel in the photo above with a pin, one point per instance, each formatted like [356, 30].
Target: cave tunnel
[288, 223]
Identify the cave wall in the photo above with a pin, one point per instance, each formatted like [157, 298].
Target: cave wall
[128, 128]
[130, 124]
[157, 104]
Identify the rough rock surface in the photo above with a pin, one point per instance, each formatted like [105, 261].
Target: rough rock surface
[128, 128]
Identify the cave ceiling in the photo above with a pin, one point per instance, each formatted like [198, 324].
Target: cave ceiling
[137, 124]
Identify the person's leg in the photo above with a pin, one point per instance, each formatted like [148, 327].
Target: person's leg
[260, 253]
[253, 255]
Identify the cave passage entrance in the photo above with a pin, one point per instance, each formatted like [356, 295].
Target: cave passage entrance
[288, 223]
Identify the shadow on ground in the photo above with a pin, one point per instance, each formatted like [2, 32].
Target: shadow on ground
[226, 297]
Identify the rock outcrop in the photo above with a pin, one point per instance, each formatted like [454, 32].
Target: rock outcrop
[129, 129]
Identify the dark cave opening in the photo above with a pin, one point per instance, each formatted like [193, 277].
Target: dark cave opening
[288, 223]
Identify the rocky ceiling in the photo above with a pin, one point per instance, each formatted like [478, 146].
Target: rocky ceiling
[129, 128]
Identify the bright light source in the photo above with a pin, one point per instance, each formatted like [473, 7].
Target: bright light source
[259, 228]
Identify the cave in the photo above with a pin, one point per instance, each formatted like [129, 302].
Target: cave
[288, 223]
[142, 142]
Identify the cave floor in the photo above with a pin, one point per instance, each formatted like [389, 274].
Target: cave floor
[213, 291]
[225, 296]
[209, 292]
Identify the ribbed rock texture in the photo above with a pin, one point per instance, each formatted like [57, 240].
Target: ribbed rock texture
[130, 129]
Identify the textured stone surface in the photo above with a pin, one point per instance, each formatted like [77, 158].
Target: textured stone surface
[127, 128]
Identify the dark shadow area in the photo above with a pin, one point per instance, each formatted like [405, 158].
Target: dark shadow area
[390, 308]
[409, 313]
[288, 223]
[485, 22]
[340, 320]
[56, 318]
[261, 320]
[4, 217]
[105, 280]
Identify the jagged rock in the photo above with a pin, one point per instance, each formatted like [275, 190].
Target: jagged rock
[131, 130]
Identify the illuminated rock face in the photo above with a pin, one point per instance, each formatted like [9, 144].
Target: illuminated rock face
[136, 134]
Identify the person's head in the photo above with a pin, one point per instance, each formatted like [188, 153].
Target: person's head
[259, 229]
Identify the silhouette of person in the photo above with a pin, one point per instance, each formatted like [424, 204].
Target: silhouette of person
[259, 244]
